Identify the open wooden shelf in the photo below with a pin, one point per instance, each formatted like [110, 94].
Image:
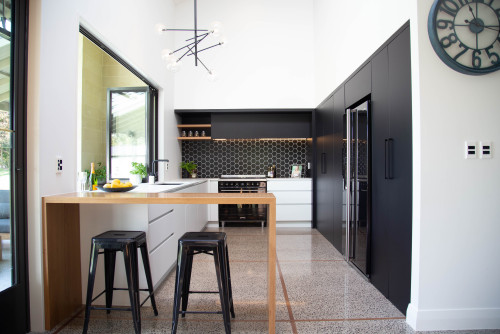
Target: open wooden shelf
[184, 126]
[194, 138]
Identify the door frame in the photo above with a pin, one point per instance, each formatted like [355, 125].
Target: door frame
[14, 308]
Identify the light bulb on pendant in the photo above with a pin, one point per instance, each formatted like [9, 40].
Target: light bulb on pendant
[216, 28]
[167, 55]
[174, 66]
[159, 27]
[212, 75]
[223, 41]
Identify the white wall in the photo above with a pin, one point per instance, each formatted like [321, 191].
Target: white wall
[128, 28]
[346, 33]
[456, 213]
[268, 62]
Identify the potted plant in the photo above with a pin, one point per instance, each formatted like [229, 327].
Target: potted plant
[138, 172]
[190, 167]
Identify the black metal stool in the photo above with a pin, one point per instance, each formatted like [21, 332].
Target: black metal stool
[126, 242]
[212, 243]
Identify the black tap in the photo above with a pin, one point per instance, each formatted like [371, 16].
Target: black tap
[153, 166]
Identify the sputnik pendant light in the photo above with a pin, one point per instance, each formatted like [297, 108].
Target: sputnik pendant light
[192, 48]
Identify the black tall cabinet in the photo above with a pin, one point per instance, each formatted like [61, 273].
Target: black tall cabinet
[386, 80]
[324, 185]
[392, 171]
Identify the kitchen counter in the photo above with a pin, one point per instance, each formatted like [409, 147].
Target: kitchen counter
[161, 187]
[61, 241]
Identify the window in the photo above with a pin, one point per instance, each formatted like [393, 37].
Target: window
[118, 112]
[129, 127]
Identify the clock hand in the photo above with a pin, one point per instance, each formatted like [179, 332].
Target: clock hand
[472, 12]
[474, 22]
[477, 25]
[491, 27]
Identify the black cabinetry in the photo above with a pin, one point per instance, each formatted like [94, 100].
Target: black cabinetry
[325, 185]
[385, 79]
[392, 173]
[251, 123]
[358, 86]
[338, 178]
[242, 125]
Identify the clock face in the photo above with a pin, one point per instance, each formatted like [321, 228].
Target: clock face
[465, 34]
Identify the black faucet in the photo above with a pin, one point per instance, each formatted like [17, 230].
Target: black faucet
[153, 166]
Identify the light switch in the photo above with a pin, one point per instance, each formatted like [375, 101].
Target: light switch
[59, 166]
[485, 150]
[470, 150]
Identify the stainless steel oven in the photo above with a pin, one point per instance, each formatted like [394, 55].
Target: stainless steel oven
[242, 214]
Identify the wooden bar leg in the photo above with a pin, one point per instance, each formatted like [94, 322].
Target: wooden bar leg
[271, 267]
[61, 261]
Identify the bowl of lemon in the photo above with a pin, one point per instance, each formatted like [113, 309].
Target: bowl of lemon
[117, 186]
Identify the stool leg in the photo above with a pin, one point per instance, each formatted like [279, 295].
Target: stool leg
[94, 251]
[147, 270]
[222, 283]
[187, 282]
[131, 271]
[179, 281]
[230, 290]
[109, 276]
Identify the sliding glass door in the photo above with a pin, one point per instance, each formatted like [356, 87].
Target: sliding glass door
[14, 313]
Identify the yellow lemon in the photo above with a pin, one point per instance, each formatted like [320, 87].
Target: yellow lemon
[117, 181]
[128, 184]
[115, 185]
[107, 185]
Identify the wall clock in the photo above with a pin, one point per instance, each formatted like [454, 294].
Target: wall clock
[465, 34]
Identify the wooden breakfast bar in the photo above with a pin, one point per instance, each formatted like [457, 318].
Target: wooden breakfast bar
[61, 242]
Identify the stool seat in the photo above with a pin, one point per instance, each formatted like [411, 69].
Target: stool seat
[212, 243]
[126, 242]
[198, 238]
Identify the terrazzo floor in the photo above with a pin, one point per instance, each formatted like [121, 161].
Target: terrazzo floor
[317, 292]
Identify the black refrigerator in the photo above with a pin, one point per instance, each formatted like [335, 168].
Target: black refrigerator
[357, 189]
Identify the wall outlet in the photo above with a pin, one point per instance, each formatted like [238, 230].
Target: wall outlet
[470, 150]
[485, 150]
[59, 166]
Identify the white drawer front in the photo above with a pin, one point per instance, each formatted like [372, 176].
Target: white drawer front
[293, 197]
[161, 229]
[163, 257]
[301, 212]
[303, 184]
[156, 210]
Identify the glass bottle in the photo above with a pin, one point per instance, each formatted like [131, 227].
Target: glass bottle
[270, 172]
[92, 178]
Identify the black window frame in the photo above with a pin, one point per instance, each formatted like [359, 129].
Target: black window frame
[148, 131]
[152, 120]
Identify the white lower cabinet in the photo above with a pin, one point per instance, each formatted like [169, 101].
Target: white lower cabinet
[213, 209]
[162, 257]
[293, 199]
[169, 222]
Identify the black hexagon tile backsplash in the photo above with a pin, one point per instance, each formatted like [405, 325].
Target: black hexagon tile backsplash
[246, 156]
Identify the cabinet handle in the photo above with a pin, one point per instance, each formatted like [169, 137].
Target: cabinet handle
[388, 159]
[323, 163]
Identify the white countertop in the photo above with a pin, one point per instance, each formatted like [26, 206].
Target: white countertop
[165, 186]
[171, 186]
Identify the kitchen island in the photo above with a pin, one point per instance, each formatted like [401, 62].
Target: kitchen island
[61, 242]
